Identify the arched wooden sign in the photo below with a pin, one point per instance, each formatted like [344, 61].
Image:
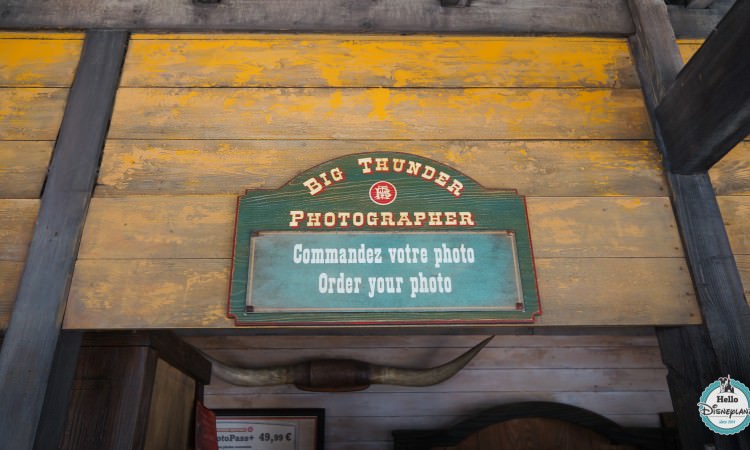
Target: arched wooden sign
[382, 239]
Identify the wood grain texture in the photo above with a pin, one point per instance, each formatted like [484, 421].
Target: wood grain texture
[51, 427]
[656, 52]
[692, 354]
[171, 410]
[718, 284]
[38, 60]
[367, 404]
[731, 175]
[501, 357]
[603, 227]
[40, 304]
[735, 211]
[367, 61]
[202, 227]
[706, 111]
[379, 113]
[534, 168]
[192, 293]
[599, 17]
[510, 366]
[513, 380]
[17, 219]
[31, 113]
[645, 343]
[23, 168]
[10, 275]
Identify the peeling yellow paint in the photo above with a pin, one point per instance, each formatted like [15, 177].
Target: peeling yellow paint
[37, 60]
[630, 203]
[380, 100]
[367, 61]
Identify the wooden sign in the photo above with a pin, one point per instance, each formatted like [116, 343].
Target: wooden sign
[382, 239]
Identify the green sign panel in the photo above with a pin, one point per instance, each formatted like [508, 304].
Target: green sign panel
[382, 239]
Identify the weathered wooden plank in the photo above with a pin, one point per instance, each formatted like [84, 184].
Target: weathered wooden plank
[601, 290]
[203, 227]
[657, 54]
[735, 211]
[58, 396]
[731, 175]
[691, 364]
[38, 60]
[31, 113]
[645, 344]
[534, 168]
[719, 287]
[379, 113]
[501, 357]
[599, 17]
[17, 218]
[366, 61]
[192, 293]
[603, 227]
[47, 35]
[171, 409]
[160, 227]
[706, 111]
[23, 168]
[37, 315]
[172, 293]
[514, 380]
[369, 404]
[10, 275]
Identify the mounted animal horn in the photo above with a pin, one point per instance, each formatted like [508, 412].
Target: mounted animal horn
[343, 375]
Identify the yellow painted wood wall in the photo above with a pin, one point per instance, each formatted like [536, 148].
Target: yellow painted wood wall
[36, 70]
[200, 119]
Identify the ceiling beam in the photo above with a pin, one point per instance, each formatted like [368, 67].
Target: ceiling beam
[581, 17]
[706, 111]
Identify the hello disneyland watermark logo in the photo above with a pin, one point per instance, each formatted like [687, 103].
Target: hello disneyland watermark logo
[725, 406]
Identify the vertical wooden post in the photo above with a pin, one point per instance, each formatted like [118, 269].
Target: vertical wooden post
[695, 356]
[31, 340]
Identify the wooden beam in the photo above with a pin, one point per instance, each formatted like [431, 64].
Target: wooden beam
[55, 412]
[694, 355]
[706, 112]
[600, 17]
[688, 373]
[726, 314]
[658, 57]
[31, 339]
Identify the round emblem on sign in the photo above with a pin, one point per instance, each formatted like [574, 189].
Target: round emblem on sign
[383, 193]
[724, 406]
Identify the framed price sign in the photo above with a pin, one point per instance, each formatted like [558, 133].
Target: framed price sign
[270, 429]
